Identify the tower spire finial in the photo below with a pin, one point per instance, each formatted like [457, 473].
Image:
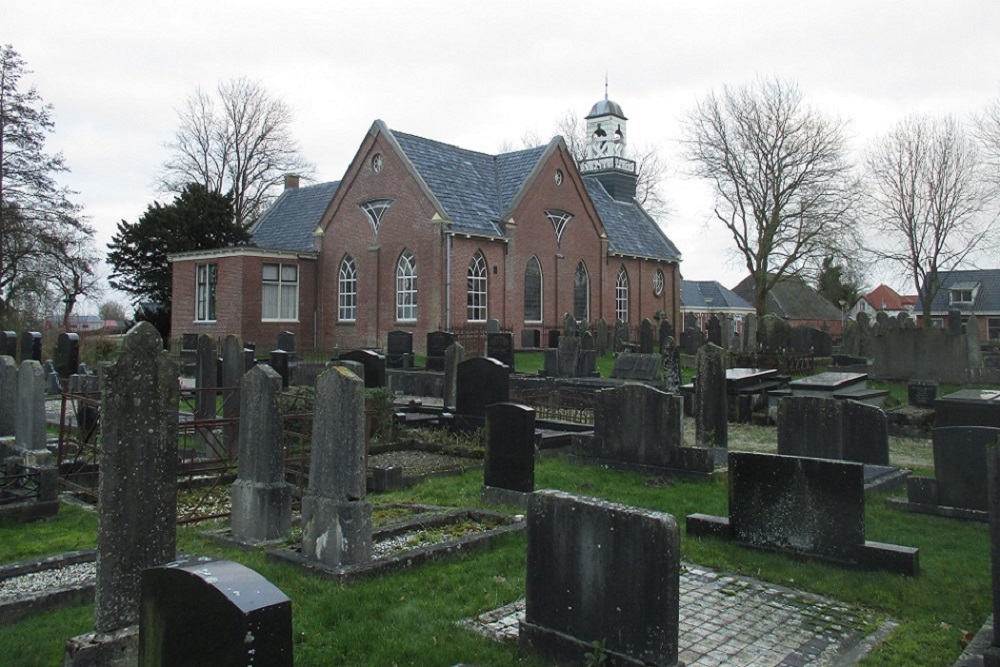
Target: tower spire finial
[605, 84]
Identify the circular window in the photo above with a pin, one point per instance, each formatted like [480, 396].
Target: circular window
[377, 163]
[658, 283]
[559, 177]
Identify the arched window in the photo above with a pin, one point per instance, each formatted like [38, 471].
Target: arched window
[581, 292]
[406, 288]
[374, 209]
[476, 289]
[621, 295]
[533, 291]
[347, 291]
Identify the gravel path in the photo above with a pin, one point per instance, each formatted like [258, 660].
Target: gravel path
[56, 578]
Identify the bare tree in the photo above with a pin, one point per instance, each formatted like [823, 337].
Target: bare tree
[783, 185]
[241, 146]
[986, 128]
[928, 197]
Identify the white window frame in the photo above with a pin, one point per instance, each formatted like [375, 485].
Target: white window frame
[658, 282]
[375, 210]
[283, 283]
[406, 288]
[621, 295]
[347, 290]
[541, 291]
[477, 289]
[206, 284]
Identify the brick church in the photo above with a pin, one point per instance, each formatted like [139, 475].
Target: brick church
[423, 236]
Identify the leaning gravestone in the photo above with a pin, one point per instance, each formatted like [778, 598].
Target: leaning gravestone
[213, 613]
[509, 467]
[261, 500]
[828, 428]
[437, 343]
[137, 507]
[588, 580]
[710, 405]
[8, 396]
[808, 507]
[29, 431]
[453, 356]
[336, 518]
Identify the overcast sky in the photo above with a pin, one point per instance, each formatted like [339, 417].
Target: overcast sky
[478, 74]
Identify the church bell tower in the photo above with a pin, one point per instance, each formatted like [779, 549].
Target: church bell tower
[606, 150]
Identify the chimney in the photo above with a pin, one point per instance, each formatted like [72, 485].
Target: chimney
[291, 181]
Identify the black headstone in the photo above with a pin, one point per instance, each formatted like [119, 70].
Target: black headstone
[212, 613]
[400, 349]
[67, 355]
[531, 338]
[960, 465]
[286, 341]
[554, 335]
[189, 341]
[31, 346]
[921, 394]
[510, 447]
[437, 343]
[8, 344]
[715, 330]
[374, 364]
[481, 381]
[281, 362]
[500, 346]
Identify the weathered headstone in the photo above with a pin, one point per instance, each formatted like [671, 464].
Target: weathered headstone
[621, 336]
[336, 518]
[31, 346]
[8, 344]
[671, 366]
[588, 579]
[212, 613]
[664, 331]
[8, 396]
[500, 346]
[959, 485]
[714, 327]
[587, 365]
[399, 352]
[602, 337]
[137, 507]
[828, 428]
[750, 332]
[29, 433]
[568, 356]
[691, 340]
[774, 333]
[261, 500]
[206, 377]
[437, 343]
[481, 381]
[67, 357]
[637, 424]
[635, 366]
[510, 453]
[374, 364]
[973, 342]
[954, 321]
[492, 326]
[646, 339]
[453, 356]
[710, 407]
[569, 325]
[53, 387]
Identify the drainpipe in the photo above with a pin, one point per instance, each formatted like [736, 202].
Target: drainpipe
[449, 240]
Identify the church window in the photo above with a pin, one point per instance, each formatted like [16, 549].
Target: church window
[658, 282]
[347, 291]
[621, 295]
[581, 292]
[533, 291]
[374, 210]
[406, 288]
[559, 220]
[476, 289]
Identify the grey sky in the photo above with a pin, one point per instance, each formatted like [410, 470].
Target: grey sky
[476, 74]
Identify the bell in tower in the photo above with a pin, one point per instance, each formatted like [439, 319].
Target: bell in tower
[606, 150]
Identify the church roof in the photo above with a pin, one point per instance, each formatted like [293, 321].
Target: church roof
[292, 219]
[631, 231]
[606, 107]
[702, 294]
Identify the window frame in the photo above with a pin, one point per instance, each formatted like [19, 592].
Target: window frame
[622, 295]
[477, 289]
[534, 261]
[406, 288]
[206, 283]
[280, 283]
[585, 316]
[347, 299]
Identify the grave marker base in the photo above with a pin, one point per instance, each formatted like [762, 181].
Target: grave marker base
[495, 495]
[570, 650]
[114, 649]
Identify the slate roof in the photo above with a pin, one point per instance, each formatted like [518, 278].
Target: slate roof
[695, 295]
[292, 219]
[987, 298]
[474, 188]
[793, 299]
[630, 229]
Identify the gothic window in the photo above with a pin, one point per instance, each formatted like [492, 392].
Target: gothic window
[347, 291]
[406, 288]
[658, 282]
[559, 220]
[374, 210]
[621, 295]
[581, 292]
[476, 289]
[533, 291]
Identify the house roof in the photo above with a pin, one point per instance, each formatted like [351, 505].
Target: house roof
[294, 216]
[703, 294]
[793, 299]
[984, 282]
[631, 231]
[884, 297]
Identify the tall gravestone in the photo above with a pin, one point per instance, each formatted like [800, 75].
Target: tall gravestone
[671, 356]
[973, 342]
[137, 507]
[261, 500]
[589, 580]
[213, 613]
[509, 467]
[67, 354]
[8, 344]
[664, 332]
[336, 518]
[568, 356]
[8, 396]
[602, 337]
[281, 362]
[715, 330]
[233, 368]
[374, 363]
[500, 346]
[206, 377]
[646, 339]
[453, 356]
[621, 337]
[587, 366]
[569, 325]
[750, 332]
[437, 343]
[954, 321]
[637, 424]
[31, 346]
[710, 408]
[29, 431]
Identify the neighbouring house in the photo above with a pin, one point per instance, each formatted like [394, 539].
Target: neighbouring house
[422, 236]
[794, 300]
[883, 298]
[973, 292]
[80, 323]
[704, 298]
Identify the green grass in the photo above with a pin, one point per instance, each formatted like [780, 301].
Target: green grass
[408, 618]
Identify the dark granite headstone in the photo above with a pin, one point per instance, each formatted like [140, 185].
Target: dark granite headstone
[374, 364]
[8, 395]
[233, 369]
[750, 332]
[31, 346]
[991, 656]
[621, 336]
[399, 349]
[286, 341]
[954, 321]
[206, 377]
[691, 340]
[553, 338]
[637, 424]
[600, 571]
[8, 344]
[646, 339]
[711, 410]
[714, 327]
[500, 346]
[832, 429]
[510, 447]
[602, 337]
[921, 394]
[29, 427]
[531, 338]
[437, 343]
[52, 385]
[671, 360]
[481, 381]
[212, 613]
[960, 465]
[67, 354]
[281, 363]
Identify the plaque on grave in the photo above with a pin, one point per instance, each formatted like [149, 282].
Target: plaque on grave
[500, 346]
[400, 349]
[437, 343]
[921, 394]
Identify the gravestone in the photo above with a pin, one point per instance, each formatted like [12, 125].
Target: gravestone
[31, 346]
[646, 339]
[52, 385]
[714, 327]
[400, 349]
[553, 338]
[638, 425]
[500, 346]
[336, 518]
[67, 354]
[281, 362]
[568, 357]
[587, 366]
[531, 338]
[621, 336]
[973, 343]
[921, 393]
[286, 341]
[453, 356]
[954, 321]
[569, 325]
[711, 413]
[8, 396]
[664, 332]
[249, 356]
[261, 500]
[807, 507]
[480, 381]
[635, 366]
[8, 344]
[851, 340]
[29, 431]
[691, 340]
[774, 334]
[509, 467]
[671, 364]
[587, 578]
[233, 368]
[374, 364]
[750, 332]
[137, 491]
[827, 428]
[735, 343]
[437, 343]
[492, 326]
[602, 337]
[206, 377]
[212, 613]
[968, 407]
